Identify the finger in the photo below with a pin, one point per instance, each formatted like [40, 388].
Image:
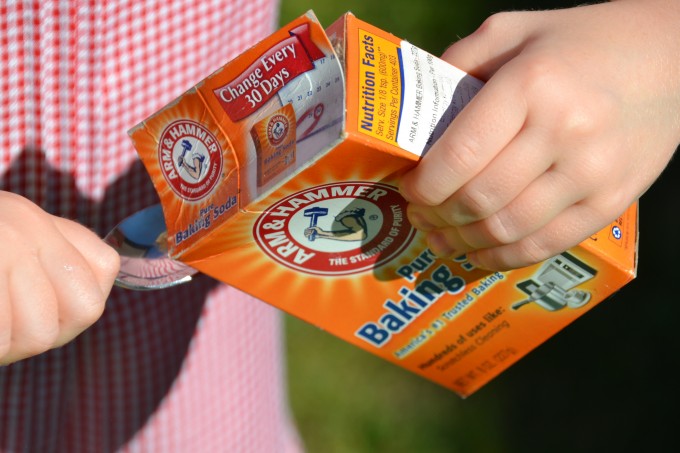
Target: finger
[516, 167]
[552, 193]
[572, 226]
[499, 39]
[447, 242]
[424, 218]
[480, 131]
[536, 206]
[35, 315]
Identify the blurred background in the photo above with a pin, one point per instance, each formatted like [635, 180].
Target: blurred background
[605, 383]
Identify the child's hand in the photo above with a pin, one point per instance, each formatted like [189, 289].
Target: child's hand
[55, 276]
[579, 116]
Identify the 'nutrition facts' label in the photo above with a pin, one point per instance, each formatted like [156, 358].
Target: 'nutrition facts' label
[407, 96]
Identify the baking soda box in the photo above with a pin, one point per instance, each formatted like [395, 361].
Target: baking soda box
[278, 175]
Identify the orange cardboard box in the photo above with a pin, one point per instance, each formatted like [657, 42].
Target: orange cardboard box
[278, 175]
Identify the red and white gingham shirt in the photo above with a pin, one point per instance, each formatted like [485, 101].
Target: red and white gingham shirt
[196, 368]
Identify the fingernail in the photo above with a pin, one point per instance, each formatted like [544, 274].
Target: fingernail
[474, 260]
[420, 222]
[439, 246]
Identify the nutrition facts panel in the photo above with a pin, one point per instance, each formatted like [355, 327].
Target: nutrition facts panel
[407, 97]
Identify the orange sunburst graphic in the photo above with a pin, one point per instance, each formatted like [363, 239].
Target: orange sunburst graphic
[238, 258]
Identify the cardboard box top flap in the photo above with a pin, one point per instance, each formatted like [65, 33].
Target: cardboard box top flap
[276, 108]
[187, 155]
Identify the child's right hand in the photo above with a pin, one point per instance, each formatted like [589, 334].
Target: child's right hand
[55, 277]
[578, 117]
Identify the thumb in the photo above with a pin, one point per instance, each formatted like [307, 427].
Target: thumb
[104, 261]
[498, 40]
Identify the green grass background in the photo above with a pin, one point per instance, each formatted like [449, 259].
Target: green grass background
[603, 384]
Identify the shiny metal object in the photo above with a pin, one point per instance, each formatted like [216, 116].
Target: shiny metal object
[141, 242]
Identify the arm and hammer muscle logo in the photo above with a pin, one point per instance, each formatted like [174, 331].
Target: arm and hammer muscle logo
[336, 229]
[190, 158]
